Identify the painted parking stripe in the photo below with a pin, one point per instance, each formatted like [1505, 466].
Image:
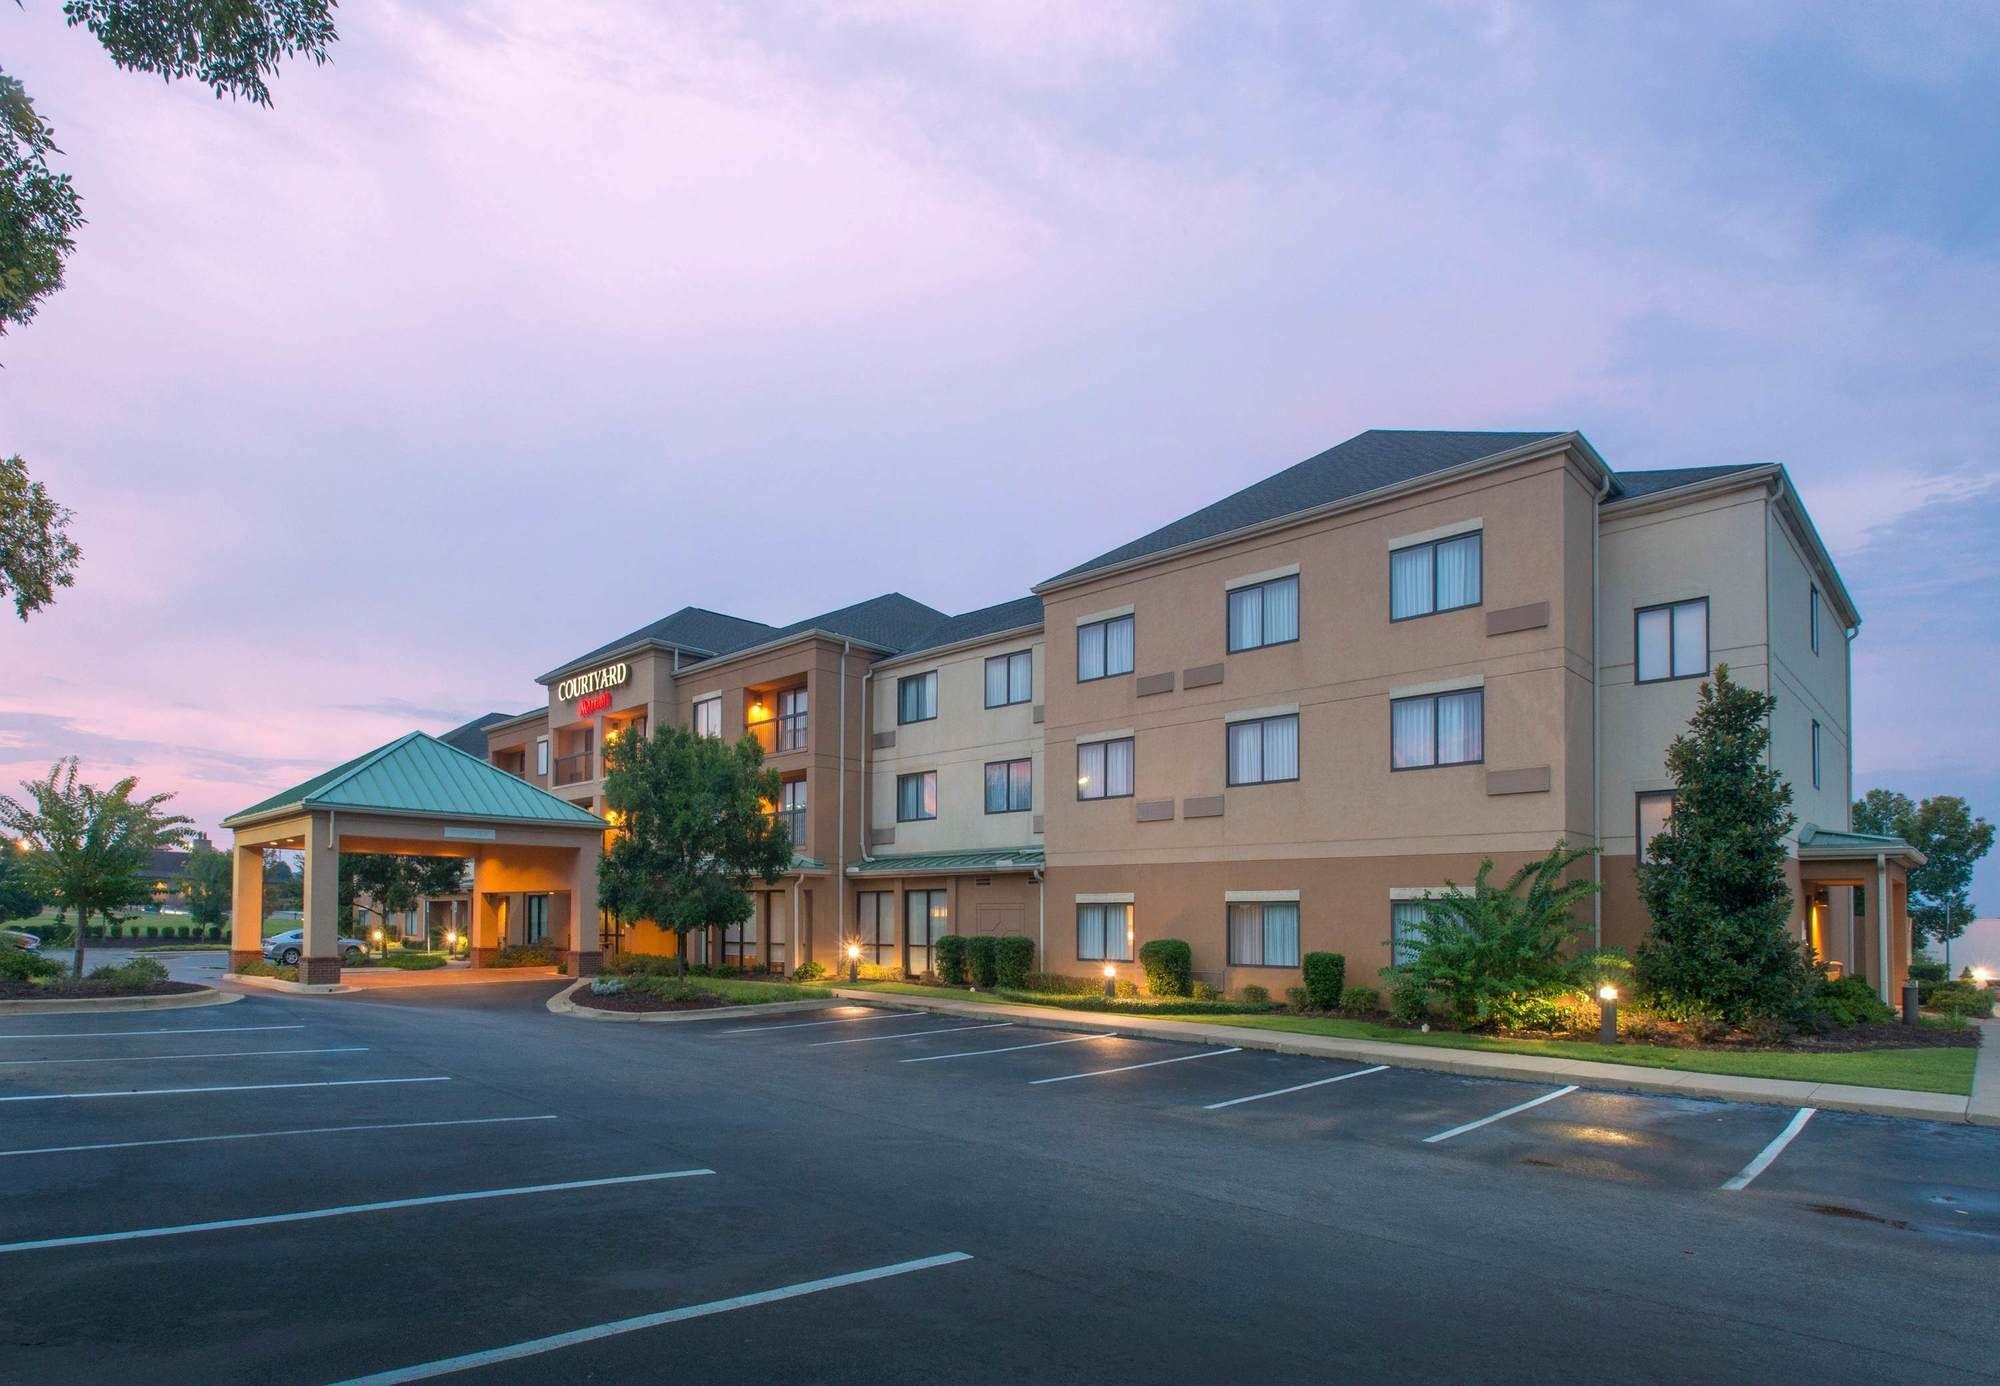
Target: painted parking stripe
[1499, 1116]
[345, 1210]
[1127, 1068]
[268, 1135]
[227, 1087]
[164, 1058]
[444, 1366]
[1772, 1151]
[1008, 1049]
[110, 1034]
[1296, 1087]
[912, 1034]
[815, 1024]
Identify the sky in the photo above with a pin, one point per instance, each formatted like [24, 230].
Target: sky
[517, 326]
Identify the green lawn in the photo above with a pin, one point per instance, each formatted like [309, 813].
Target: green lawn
[736, 991]
[1918, 1070]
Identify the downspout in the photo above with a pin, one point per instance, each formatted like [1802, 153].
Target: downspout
[1041, 919]
[840, 821]
[1597, 725]
[1882, 923]
[868, 717]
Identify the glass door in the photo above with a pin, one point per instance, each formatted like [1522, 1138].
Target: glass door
[925, 920]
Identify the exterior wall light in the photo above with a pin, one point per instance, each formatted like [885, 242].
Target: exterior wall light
[1607, 1010]
[1110, 982]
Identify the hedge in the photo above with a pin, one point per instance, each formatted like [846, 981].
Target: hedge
[979, 960]
[1169, 966]
[948, 957]
[1013, 960]
[1326, 977]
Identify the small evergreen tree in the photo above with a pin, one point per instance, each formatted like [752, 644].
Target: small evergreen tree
[1715, 882]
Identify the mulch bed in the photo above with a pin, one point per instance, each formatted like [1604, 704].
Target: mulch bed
[639, 1001]
[73, 991]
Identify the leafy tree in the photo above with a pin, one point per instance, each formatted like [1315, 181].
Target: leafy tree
[39, 210]
[391, 883]
[694, 830]
[16, 900]
[36, 554]
[1715, 882]
[92, 846]
[208, 885]
[1951, 839]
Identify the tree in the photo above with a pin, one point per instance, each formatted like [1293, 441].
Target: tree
[91, 846]
[694, 830]
[208, 885]
[1715, 881]
[39, 210]
[16, 900]
[1951, 839]
[36, 554]
[391, 883]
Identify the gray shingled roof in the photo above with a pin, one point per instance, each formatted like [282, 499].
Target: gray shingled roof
[471, 738]
[692, 628]
[1366, 462]
[891, 621]
[1632, 485]
[987, 620]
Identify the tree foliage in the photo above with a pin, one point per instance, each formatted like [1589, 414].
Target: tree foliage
[230, 46]
[389, 883]
[17, 901]
[694, 829]
[36, 553]
[1952, 840]
[39, 210]
[1715, 881]
[207, 885]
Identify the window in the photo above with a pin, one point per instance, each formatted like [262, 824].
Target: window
[876, 925]
[1264, 613]
[1104, 769]
[542, 756]
[916, 698]
[536, 921]
[1655, 814]
[916, 796]
[1010, 678]
[1812, 617]
[708, 717]
[927, 919]
[792, 811]
[792, 720]
[1672, 640]
[1404, 936]
[1437, 729]
[1815, 754]
[1264, 750]
[1104, 649]
[1264, 934]
[739, 944]
[1440, 576]
[1104, 933]
[1010, 786]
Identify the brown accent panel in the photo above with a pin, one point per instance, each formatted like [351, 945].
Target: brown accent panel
[1038, 823]
[238, 960]
[584, 964]
[1041, 713]
[881, 837]
[1508, 619]
[1149, 684]
[1202, 806]
[1156, 810]
[319, 971]
[884, 740]
[1533, 779]
[1201, 676]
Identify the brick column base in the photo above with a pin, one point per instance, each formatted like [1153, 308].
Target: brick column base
[485, 957]
[319, 971]
[238, 959]
[585, 964]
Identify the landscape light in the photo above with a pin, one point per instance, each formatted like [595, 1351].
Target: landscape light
[1982, 975]
[1110, 982]
[853, 963]
[1607, 1013]
[1607, 992]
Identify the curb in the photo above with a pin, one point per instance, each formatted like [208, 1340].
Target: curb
[178, 1001]
[560, 1004]
[1984, 1108]
[286, 988]
[1528, 1068]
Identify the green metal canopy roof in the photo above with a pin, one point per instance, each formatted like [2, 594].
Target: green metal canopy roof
[988, 859]
[1819, 842]
[418, 775]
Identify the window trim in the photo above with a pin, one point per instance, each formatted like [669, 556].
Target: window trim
[1229, 645]
[987, 681]
[1028, 807]
[1435, 764]
[1132, 741]
[542, 756]
[1432, 545]
[694, 715]
[1101, 623]
[930, 817]
[1707, 637]
[1229, 937]
[1812, 614]
[1639, 838]
[1130, 943]
[907, 679]
[1230, 782]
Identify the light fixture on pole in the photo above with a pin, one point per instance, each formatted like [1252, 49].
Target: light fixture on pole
[853, 963]
[381, 942]
[1607, 1011]
[1110, 982]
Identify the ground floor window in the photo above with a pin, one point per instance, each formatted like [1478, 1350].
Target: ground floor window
[739, 944]
[926, 918]
[1104, 933]
[875, 913]
[535, 928]
[1264, 933]
[774, 941]
[1404, 938]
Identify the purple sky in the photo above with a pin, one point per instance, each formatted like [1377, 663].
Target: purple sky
[522, 324]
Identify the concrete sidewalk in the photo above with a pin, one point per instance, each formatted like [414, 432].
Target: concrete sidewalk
[1983, 1107]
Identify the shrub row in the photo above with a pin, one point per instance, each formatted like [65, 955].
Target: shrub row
[189, 933]
[982, 960]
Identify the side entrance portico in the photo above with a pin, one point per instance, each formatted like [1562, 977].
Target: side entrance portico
[534, 857]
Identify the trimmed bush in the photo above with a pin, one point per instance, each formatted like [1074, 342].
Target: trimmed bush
[1254, 994]
[260, 968]
[1129, 1003]
[1326, 977]
[1062, 984]
[948, 956]
[1361, 1000]
[19, 965]
[135, 975]
[809, 972]
[526, 955]
[1013, 960]
[1298, 998]
[1961, 998]
[414, 962]
[1169, 966]
[979, 961]
[1206, 991]
[1849, 1001]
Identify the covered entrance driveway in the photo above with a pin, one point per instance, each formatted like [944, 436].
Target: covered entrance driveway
[534, 857]
[1854, 896]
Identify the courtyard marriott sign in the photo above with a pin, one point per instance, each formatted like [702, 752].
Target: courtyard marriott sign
[596, 681]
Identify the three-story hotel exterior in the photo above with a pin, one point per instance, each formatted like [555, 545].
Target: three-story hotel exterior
[1272, 726]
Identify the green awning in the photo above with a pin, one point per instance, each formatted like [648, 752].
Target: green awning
[947, 863]
[1821, 843]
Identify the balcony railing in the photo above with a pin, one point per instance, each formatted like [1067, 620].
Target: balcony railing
[794, 820]
[573, 769]
[766, 734]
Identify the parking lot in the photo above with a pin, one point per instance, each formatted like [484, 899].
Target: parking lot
[429, 1182]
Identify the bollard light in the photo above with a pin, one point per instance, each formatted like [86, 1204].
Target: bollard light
[1912, 1001]
[853, 963]
[1607, 1010]
[381, 945]
[1110, 982]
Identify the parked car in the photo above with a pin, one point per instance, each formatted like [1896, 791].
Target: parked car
[286, 948]
[16, 938]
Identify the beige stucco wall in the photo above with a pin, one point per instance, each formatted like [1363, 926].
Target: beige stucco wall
[1808, 686]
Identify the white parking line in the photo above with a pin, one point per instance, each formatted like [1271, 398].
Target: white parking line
[1127, 1068]
[1499, 1116]
[444, 1366]
[346, 1210]
[108, 1034]
[161, 1058]
[814, 1024]
[912, 1034]
[265, 1135]
[228, 1087]
[1772, 1151]
[1296, 1087]
[1009, 1049]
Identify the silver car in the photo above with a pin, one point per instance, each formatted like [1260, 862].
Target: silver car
[286, 948]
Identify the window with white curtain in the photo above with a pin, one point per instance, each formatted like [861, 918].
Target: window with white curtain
[1404, 936]
[916, 698]
[1264, 934]
[1443, 575]
[916, 796]
[1264, 613]
[1104, 649]
[1437, 729]
[1264, 750]
[708, 717]
[1010, 786]
[1104, 933]
[1010, 678]
[1104, 769]
[1672, 640]
[1655, 810]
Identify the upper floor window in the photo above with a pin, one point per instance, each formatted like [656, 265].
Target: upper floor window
[1010, 678]
[708, 717]
[1104, 649]
[1437, 729]
[1672, 640]
[916, 698]
[1439, 576]
[1812, 618]
[542, 756]
[1264, 613]
[916, 796]
[1104, 769]
[1010, 786]
[1815, 754]
[1264, 934]
[1264, 750]
[792, 720]
[1655, 811]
